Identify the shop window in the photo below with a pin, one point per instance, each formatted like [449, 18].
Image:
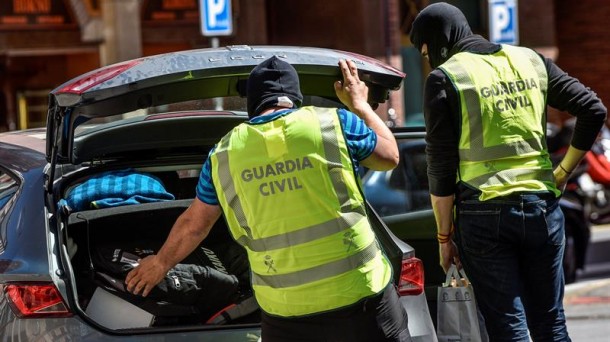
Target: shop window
[32, 108]
[413, 86]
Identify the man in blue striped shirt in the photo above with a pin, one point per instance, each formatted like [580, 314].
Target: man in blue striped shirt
[361, 141]
[274, 92]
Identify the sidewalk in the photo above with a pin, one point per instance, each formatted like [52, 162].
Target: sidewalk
[587, 302]
[598, 253]
[588, 299]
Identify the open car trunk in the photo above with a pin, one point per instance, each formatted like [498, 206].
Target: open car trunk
[160, 115]
[210, 286]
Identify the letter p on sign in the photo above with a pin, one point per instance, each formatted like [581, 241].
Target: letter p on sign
[503, 22]
[216, 17]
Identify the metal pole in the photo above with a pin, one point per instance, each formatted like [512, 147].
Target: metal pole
[391, 113]
[218, 103]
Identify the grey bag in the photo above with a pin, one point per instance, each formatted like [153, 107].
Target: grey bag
[457, 314]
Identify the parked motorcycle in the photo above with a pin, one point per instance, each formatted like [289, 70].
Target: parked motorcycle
[598, 160]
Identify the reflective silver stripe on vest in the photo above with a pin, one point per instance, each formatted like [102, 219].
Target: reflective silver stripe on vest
[477, 150]
[333, 155]
[495, 178]
[302, 235]
[228, 186]
[319, 272]
[500, 151]
[350, 215]
[540, 68]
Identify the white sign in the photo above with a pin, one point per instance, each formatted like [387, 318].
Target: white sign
[216, 17]
[503, 22]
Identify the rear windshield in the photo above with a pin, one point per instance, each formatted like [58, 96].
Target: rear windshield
[233, 104]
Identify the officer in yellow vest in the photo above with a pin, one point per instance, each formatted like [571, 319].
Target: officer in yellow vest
[286, 182]
[485, 114]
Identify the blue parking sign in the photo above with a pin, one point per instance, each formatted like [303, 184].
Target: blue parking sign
[503, 22]
[216, 18]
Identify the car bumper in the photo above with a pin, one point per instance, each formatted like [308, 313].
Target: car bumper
[420, 322]
[74, 329]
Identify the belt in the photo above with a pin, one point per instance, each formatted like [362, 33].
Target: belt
[527, 195]
[516, 197]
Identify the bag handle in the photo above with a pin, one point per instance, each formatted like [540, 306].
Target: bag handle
[461, 280]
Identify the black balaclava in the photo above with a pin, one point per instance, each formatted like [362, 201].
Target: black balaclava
[439, 25]
[273, 83]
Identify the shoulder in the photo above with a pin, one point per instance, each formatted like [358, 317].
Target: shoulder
[437, 80]
[436, 75]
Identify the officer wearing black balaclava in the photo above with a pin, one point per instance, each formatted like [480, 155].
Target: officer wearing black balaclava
[440, 27]
[493, 188]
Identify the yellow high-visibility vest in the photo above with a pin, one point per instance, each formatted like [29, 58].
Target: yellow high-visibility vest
[502, 145]
[291, 197]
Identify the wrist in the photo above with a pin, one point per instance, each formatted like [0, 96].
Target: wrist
[163, 263]
[567, 171]
[444, 237]
[361, 107]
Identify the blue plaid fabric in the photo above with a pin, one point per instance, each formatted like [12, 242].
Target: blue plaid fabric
[116, 188]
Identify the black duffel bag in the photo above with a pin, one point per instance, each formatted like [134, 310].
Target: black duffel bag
[209, 280]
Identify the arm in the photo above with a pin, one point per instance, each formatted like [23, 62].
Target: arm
[443, 161]
[569, 162]
[441, 115]
[187, 233]
[443, 214]
[566, 93]
[354, 94]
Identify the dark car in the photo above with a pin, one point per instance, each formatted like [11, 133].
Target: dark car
[118, 162]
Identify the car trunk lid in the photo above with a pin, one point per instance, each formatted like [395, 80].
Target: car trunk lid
[190, 75]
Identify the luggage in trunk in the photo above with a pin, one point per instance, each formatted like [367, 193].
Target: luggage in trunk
[210, 286]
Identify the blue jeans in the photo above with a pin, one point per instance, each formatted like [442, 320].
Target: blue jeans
[512, 251]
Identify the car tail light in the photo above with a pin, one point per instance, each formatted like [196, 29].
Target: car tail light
[411, 277]
[35, 300]
[81, 84]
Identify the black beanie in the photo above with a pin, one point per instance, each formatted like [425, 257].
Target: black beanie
[269, 81]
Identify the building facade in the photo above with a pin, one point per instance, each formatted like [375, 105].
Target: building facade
[44, 43]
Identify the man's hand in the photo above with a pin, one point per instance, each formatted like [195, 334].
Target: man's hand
[352, 92]
[143, 278]
[567, 165]
[561, 178]
[191, 227]
[448, 254]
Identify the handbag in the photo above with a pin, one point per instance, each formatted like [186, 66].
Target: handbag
[458, 318]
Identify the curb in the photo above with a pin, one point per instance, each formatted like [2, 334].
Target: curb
[584, 287]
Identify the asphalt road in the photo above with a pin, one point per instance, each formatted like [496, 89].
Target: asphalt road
[587, 301]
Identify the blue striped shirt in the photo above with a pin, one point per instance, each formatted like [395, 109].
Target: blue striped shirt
[361, 141]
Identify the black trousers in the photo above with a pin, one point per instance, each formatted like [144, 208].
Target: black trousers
[379, 318]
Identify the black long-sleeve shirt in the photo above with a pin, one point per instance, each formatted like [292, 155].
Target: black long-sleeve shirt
[442, 114]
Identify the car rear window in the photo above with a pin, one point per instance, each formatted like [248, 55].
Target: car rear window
[233, 104]
[8, 187]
